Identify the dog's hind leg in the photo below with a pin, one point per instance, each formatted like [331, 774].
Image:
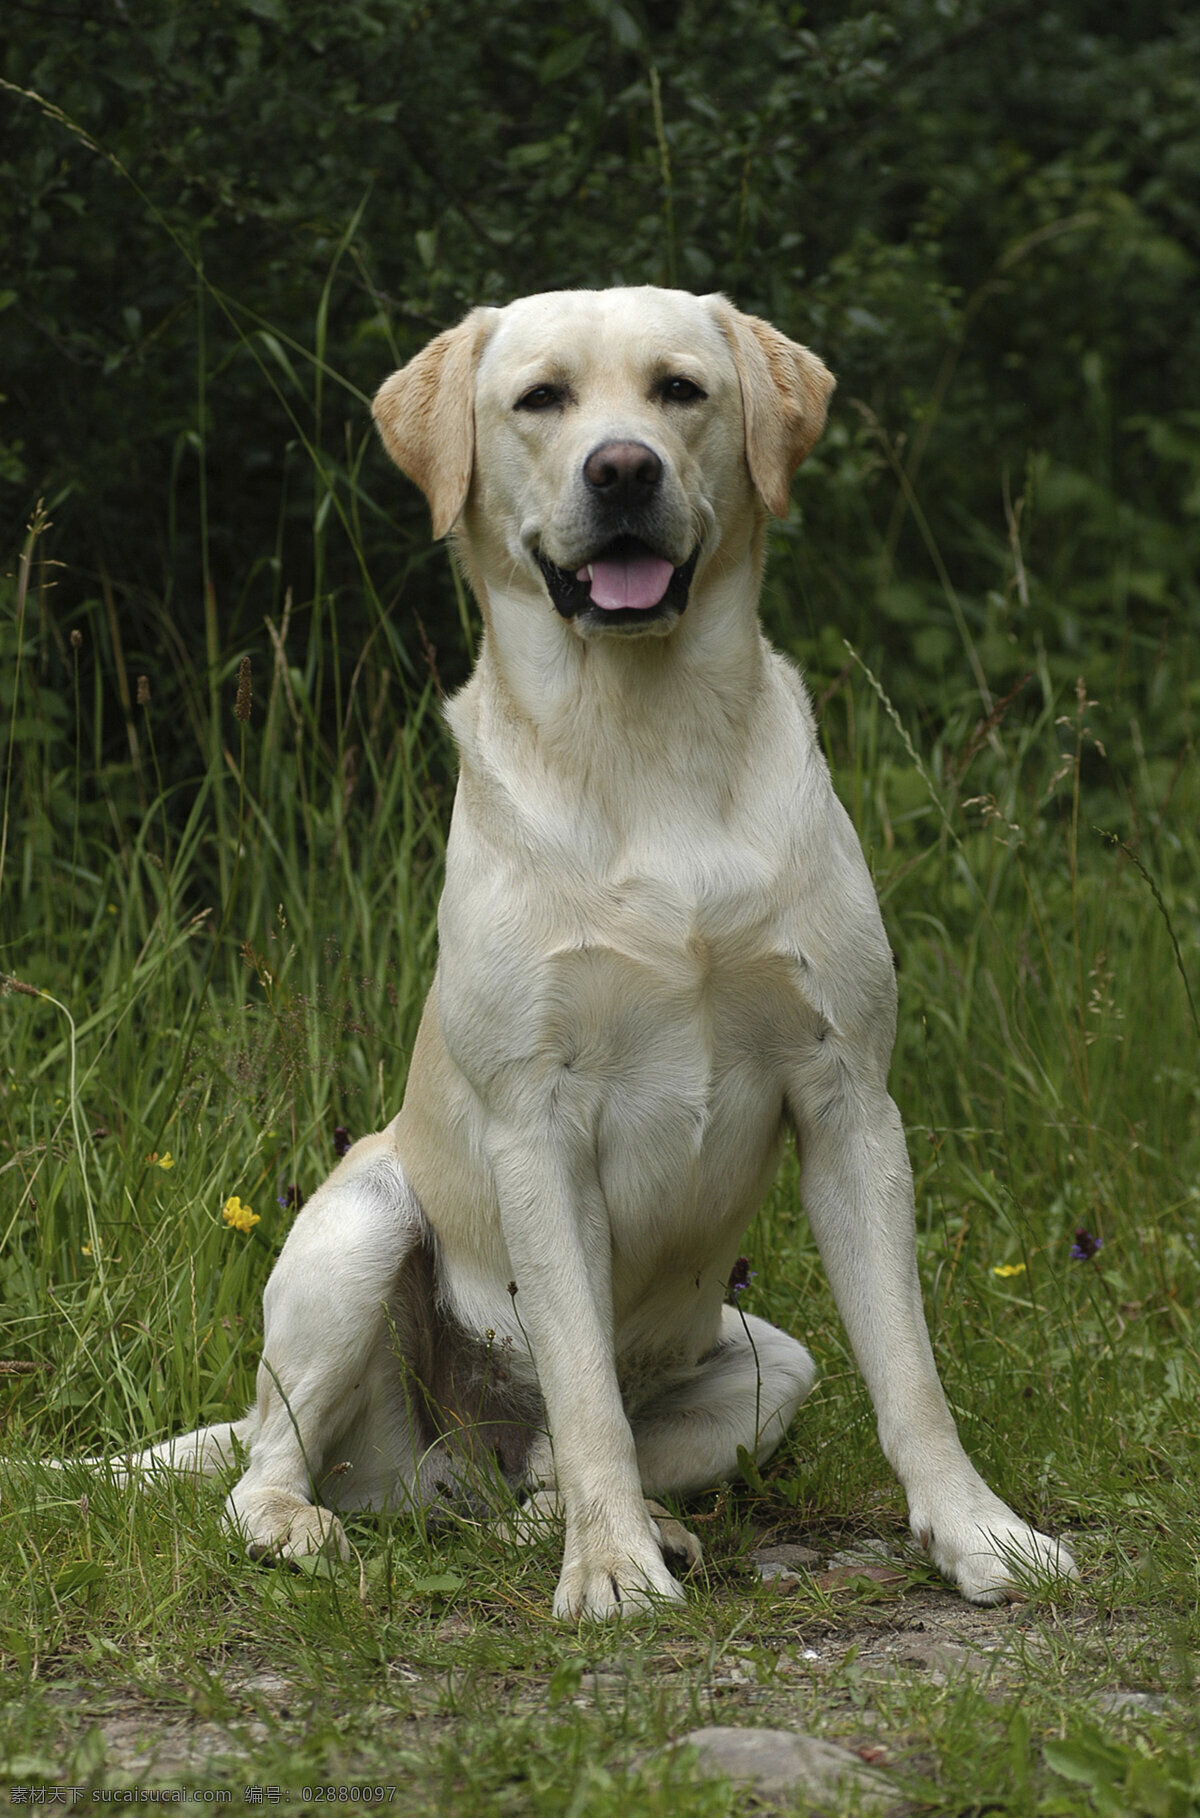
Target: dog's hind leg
[333, 1422]
[741, 1397]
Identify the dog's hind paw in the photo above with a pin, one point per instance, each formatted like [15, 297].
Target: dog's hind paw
[274, 1524]
[677, 1542]
[538, 1515]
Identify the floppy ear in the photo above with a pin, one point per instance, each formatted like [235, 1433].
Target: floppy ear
[785, 394]
[426, 416]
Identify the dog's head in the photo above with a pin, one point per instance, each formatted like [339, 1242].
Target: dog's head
[602, 447]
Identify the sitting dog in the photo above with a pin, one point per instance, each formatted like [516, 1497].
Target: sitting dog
[660, 952]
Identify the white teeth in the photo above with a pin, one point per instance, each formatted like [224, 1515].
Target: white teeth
[591, 574]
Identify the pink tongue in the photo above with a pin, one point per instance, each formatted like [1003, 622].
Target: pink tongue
[638, 581]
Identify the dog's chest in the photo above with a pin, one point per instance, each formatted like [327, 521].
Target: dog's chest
[675, 998]
[670, 977]
[667, 1024]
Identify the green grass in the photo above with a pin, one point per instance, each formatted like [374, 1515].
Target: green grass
[217, 969]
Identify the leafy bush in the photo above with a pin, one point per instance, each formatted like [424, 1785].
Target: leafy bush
[227, 224]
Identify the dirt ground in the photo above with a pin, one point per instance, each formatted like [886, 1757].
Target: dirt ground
[799, 1675]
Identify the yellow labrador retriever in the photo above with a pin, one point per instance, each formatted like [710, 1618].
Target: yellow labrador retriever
[660, 952]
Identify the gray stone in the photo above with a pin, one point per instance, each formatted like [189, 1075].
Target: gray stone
[778, 1765]
[944, 1658]
[600, 1683]
[871, 1551]
[776, 1572]
[786, 1555]
[266, 1683]
[1125, 1704]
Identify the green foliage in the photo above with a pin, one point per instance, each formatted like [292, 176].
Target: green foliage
[1128, 1781]
[226, 224]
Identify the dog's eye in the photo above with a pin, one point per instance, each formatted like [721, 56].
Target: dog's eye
[681, 391]
[541, 397]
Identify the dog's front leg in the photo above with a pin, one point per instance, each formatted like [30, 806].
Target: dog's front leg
[560, 1245]
[856, 1185]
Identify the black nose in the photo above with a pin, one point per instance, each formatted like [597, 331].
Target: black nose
[626, 473]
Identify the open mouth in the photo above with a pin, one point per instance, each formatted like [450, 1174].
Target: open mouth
[625, 583]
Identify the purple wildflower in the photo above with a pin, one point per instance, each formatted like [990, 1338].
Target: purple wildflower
[741, 1275]
[341, 1140]
[291, 1199]
[1085, 1246]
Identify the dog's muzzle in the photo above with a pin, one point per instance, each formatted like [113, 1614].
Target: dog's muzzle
[626, 583]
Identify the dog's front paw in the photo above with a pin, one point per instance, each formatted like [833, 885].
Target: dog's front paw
[277, 1525]
[990, 1553]
[608, 1577]
[597, 1586]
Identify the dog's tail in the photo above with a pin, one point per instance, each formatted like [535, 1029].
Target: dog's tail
[203, 1453]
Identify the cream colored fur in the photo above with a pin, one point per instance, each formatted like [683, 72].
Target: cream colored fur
[660, 956]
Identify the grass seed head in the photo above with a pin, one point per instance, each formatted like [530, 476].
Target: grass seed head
[241, 705]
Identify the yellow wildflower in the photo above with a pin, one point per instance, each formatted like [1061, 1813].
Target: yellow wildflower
[161, 1161]
[1007, 1269]
[238, 1216]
